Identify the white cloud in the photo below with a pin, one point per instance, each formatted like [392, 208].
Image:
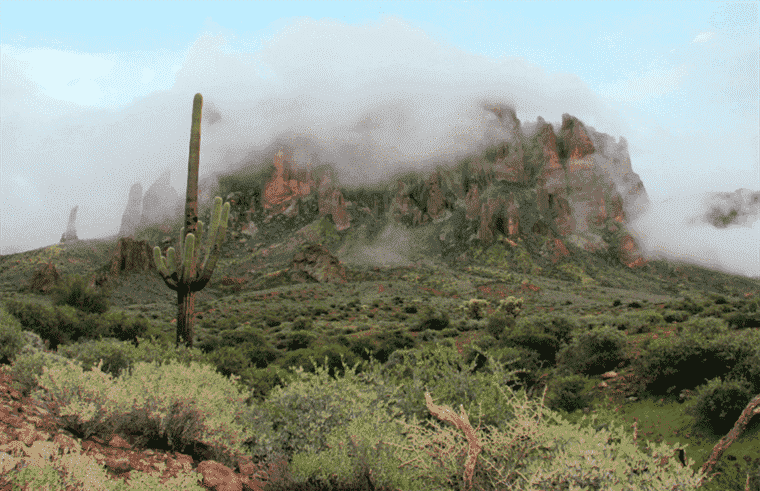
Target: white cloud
[703, 37]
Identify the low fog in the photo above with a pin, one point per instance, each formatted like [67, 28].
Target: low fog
[375, 99]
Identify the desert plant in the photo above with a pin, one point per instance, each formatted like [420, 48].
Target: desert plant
[187, 276]
[498, 323]
[74, 291]
[719, 403]
[568, 393]
[593, 352]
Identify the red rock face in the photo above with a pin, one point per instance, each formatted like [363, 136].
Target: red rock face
[435, 201]
[630, 254]
[576, 141]
[472, 202]
[558, 250]
[331, 202]
[285, 185]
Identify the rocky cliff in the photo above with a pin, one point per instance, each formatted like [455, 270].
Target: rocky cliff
[541, 186]
[71, 228]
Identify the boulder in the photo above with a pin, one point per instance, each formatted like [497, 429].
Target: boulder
[71, 231]
[315, 262]
[44, 278]
[131, 217]
[131, 255]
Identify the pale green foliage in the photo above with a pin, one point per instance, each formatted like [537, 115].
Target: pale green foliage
[510, 305]
[185, 403]
[475, 308]
[354, 445]
[300, 415]
[85, 473]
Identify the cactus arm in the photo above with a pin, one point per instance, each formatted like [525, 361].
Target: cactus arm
[169, 277]
[212, 232]
[200, 245]
[217, 245]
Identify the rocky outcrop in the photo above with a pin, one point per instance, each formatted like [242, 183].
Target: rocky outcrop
[315, 262]
[71, 230]
[130, 219]
[571, 186]
[131, 255]
[160, 203]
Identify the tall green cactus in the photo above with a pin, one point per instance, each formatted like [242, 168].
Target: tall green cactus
[182, 273]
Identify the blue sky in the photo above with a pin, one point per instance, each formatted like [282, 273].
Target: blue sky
[97, 96]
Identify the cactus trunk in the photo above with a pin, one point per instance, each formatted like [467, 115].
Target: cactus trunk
[182, 272]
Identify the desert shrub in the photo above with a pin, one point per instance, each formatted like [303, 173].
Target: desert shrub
[675, 316]
[299, 340]
[299, 415]
[382, 344]
[717, 310]
[498, 323]
[742, 320]
[190, 405]
[229, 361]
[568, 392]
[511, 306]
[683, 362]
[303, 357]
[439, 369]
[634, 305]
[638, 322]
[434, 319]
[11, 342]
[39, 319]
[593, 352]
[719, 299]
[302, 323]
[719, 403]
[122, 327]
[74, 291]
[449, 333]
[617, 303]
[534, 339]
[475, 308]
[28, 367]
[750, 307]
[410, 309]
[707, 326]
[557, 325]
[115, 355]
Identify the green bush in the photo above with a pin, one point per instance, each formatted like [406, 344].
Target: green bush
[380, 345]
[568, 393]
[534, 339]
[11, 342]
[303, 358]
[593, 352]
[261, 381]
[302, 323]
[73, 291]
[742, 320]
[559, 326]
[433, 319]
[675, 316]
[719, 403]
[116, 355]
[229, 361]
[299, 340]
[682, 362]
[498, 323]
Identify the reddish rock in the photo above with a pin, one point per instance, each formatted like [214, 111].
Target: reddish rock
[558, 250]
[435, 200]
[402, 202]
[130, 219]
[472, 202]
[575, 140]
[630, 254]
[286, 184]
[549, 156]
[331, 202]
[316, 262]
[131, 255]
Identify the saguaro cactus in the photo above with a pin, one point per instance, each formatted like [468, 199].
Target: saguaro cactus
[182, 273]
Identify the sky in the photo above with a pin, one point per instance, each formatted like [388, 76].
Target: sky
[97, 96]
